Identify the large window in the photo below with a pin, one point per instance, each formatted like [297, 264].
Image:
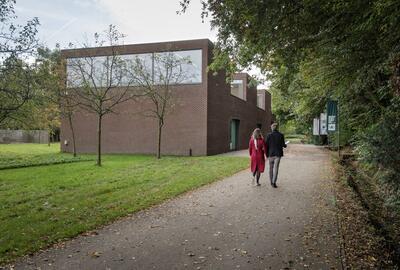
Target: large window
[90, 70]
[186, 71]
[133, 61]
[96, 70]
[237, 89]
[261, 99]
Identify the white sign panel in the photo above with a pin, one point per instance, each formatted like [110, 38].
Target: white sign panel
[323, 125]
[316, 126]
[332, 123]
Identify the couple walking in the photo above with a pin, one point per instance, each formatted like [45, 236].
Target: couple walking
[272, 148]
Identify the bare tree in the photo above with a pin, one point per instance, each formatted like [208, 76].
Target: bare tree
[100, 83]
[68, 103]
[52, 74]
[157, 81]
[68, 106]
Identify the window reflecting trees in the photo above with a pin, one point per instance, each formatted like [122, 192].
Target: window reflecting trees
[92, 71]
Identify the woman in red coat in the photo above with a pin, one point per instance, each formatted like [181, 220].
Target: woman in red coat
[257, 150]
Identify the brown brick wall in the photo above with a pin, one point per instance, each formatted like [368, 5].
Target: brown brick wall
[223, 107]
[200, 121]
[129, 131]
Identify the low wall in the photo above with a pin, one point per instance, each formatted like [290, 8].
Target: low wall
[24, 136]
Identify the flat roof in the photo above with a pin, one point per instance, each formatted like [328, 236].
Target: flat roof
[190, 44]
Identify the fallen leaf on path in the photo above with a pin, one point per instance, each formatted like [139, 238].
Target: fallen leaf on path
[96, 254]
[90, 233]
[372, 258]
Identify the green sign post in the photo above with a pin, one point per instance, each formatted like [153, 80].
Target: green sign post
[332, 111]
[333, 119]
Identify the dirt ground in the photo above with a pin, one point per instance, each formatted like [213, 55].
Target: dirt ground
[230, 224]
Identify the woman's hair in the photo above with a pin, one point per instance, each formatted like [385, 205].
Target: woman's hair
[257, 134]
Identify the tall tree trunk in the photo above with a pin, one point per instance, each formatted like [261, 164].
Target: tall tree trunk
[99, 140]
[73, 135]
[48, 137]
[160, 125]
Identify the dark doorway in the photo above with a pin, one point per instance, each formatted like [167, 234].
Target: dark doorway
[234, 138]
[259, 125]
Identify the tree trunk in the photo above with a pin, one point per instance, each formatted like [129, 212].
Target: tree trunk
[99, 140]
[49, 138]
[160, 125]
[73, 135]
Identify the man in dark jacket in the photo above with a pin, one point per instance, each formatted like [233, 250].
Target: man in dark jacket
[275, 142]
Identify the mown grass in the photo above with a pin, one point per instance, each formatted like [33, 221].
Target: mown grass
[42, 205]
[30, 154]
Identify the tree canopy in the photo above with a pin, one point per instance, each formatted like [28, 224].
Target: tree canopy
[313, 50]
[16, 79]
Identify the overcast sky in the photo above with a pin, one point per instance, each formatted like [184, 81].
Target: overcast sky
[64, 21]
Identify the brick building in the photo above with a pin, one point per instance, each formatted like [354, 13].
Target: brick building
[212, 116]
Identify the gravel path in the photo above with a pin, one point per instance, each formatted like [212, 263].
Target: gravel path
[229, 224]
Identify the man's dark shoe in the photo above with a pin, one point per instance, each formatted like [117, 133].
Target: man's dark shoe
[274, 185]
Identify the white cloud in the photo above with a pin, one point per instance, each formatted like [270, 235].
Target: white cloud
[60, 30]
[27, 13]
[142, 21]
[156, 20]
[85, 3]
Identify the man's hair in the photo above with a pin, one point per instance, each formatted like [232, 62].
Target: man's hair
[274, 126]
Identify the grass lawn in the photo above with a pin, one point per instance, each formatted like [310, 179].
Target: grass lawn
[44, 204]
[31, 154]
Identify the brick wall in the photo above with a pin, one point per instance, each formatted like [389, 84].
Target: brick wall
[223, 107]
[200, 121]
[128, 131]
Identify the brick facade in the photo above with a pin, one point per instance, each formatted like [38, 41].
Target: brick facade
[224, 107]
[200, 122]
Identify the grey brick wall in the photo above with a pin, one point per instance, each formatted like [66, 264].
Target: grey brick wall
[24, 136]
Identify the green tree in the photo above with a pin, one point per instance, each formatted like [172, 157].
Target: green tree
[313, 50]
[16, 82]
